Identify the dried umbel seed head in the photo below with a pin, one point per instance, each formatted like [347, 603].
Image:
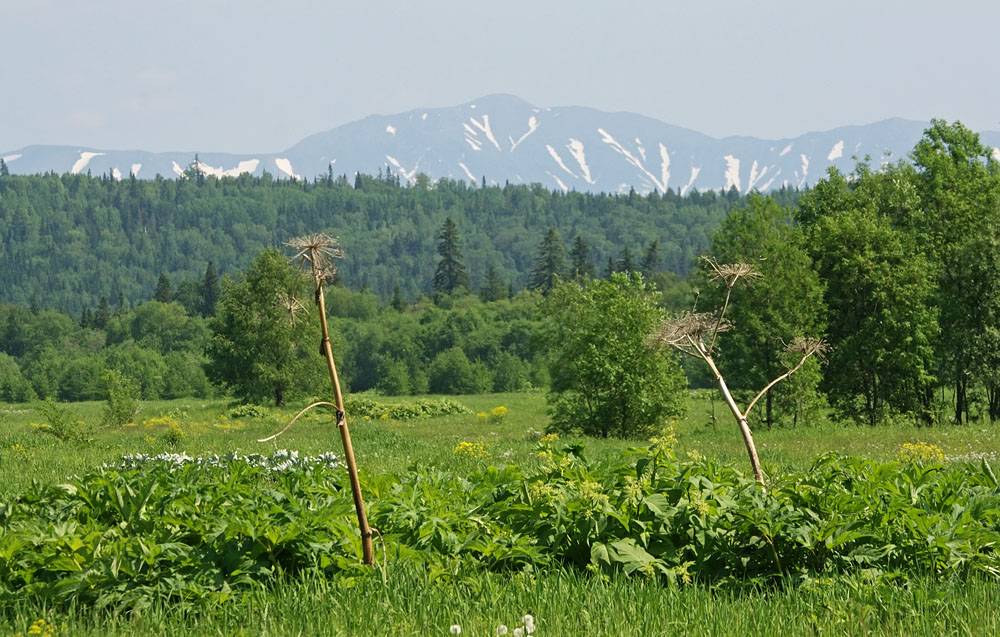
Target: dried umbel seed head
[689, 326]
[319, 250]
[731, 272]
[291, 305]
[807, 346]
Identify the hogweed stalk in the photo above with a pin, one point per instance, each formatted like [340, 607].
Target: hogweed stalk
[695, 333]
[319, 251]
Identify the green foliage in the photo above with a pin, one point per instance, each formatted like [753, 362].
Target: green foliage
[769, 313]
[123, 399]
[879, 291]
[173, 529]
[451, 372]
[58, 423]
[120, 235]
[368, 408]
[450, 275]
[605, 380]
[259, 349]
[550, 264]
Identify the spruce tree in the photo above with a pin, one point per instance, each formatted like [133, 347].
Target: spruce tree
[550, 264]
[627, 262]
[581, 268]
[650, 259]
[210, 290]
[164, 293]
[450, 274]
[493, 288]
[103, 314]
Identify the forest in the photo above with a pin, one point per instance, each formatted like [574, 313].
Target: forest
[442, 287]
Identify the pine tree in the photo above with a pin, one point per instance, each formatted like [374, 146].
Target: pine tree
[103, 314]
[493, 288]
[650, 259]
[210, 290]
[581, 267]
[4, 171]
[397, 299]
[550, 264]
[627, 262]
[610, 268]
[164, 293]
[450, 274]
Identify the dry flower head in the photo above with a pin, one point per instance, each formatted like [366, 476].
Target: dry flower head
[731, 272]
[688, 328]
[319, 250]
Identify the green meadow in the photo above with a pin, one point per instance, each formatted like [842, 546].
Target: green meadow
[403, 595]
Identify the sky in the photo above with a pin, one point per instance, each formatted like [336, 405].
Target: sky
[257, 76]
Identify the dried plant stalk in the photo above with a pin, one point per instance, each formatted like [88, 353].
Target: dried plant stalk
[694, 334]
[319, 250]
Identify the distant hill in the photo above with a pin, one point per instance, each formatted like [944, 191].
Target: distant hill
[502, 138]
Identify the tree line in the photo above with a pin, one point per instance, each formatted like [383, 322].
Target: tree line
[67, 240]
[897, 266]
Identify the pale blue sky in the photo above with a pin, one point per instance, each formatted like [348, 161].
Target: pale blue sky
[256, 76]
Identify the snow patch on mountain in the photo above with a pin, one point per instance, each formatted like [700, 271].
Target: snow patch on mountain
[694, 175]
[618, 148]
[10, 158]
[390, 129]
[116, 174]
[410, 176]
[245, 166]
[134, 171]
[423, 116]
[837, 151]
[474, 143]
[996, 154]
[785, 150]
[664, 165]
[755, 176]
[558, 159]
[805, 170]
[558, 181]
[732, 173]
[575, 147]
[770, 181]
[485, 127]
[532, 127]
[177, 168]
[467, 171]
[285, 166]
[81, 163]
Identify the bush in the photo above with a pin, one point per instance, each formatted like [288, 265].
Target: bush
[123, 402]
[509, 373]
[452, 373]
[606, 381]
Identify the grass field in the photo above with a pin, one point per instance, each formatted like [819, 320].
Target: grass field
[405, 601]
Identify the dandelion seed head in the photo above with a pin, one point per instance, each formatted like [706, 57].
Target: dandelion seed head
[455, 629]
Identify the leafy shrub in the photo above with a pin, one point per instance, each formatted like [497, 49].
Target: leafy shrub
[123, 402]
[451, 372]
[248, 410]
[368, 408]
[58, 423]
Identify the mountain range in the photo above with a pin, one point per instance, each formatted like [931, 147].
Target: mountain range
[502, 138]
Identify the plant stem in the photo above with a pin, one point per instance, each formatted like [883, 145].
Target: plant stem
[368, 555]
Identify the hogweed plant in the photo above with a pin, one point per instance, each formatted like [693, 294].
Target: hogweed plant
[319, 251]
[694, 333]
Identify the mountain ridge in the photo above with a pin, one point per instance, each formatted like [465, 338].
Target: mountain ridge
[502, 138]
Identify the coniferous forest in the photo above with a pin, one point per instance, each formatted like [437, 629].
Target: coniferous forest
[895, 266]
